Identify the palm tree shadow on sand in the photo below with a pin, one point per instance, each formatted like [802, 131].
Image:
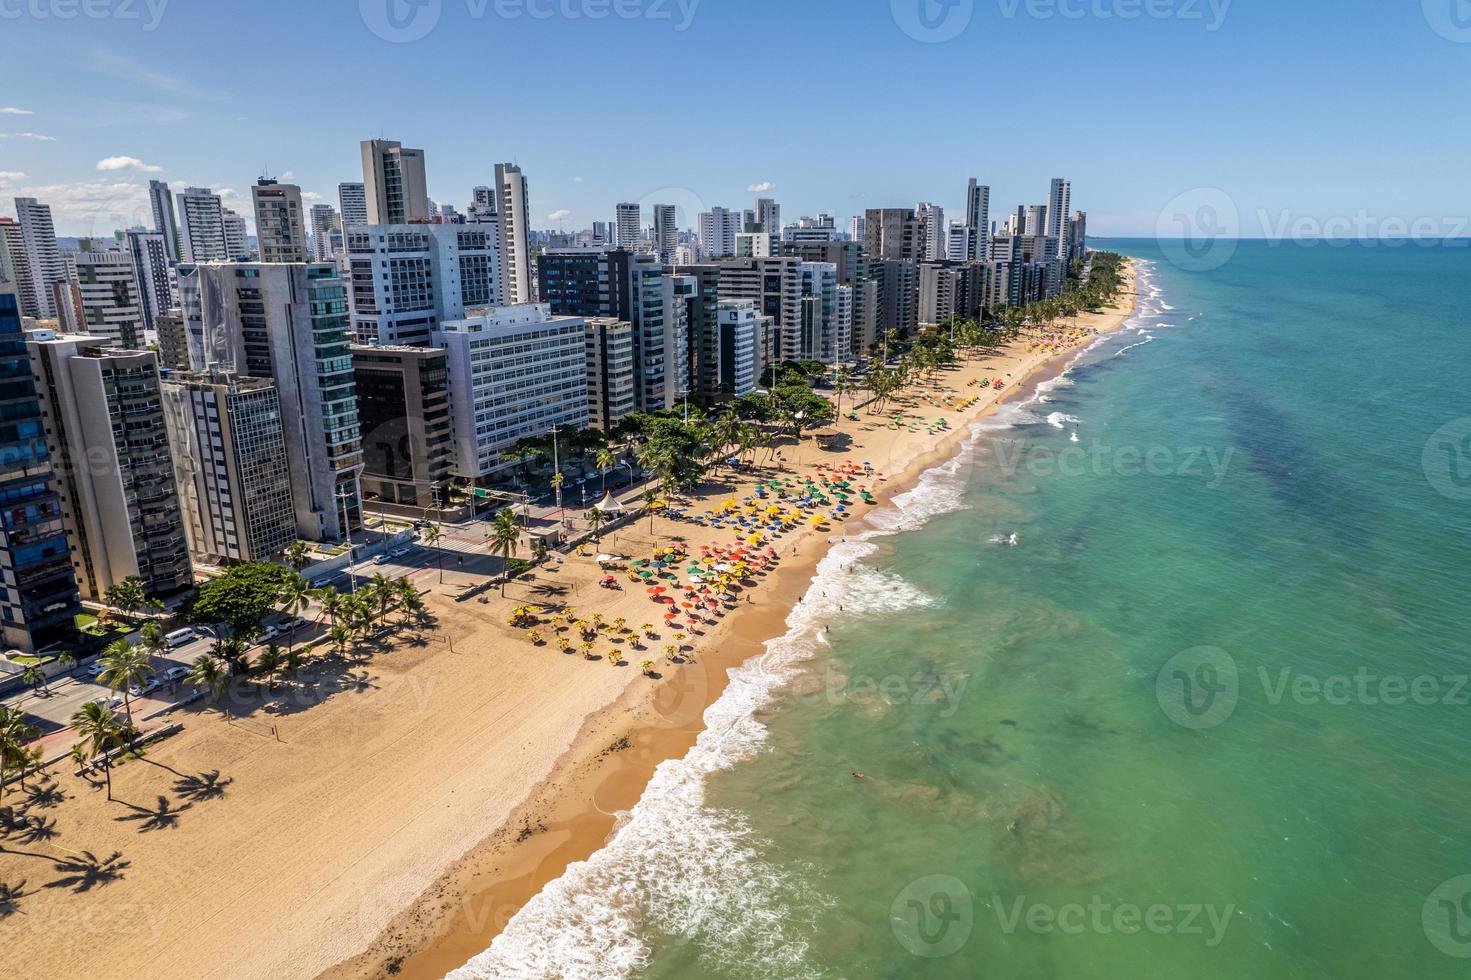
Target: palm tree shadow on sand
[205, 786]
[85, 871]
[165, 817]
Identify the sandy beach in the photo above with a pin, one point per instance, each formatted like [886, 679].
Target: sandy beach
[391, 814]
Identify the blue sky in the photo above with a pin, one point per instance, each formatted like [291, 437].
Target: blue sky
[1307, 110]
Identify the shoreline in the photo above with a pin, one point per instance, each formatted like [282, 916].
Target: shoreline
[571, 814]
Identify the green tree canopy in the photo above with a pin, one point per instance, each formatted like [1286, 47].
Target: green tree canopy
[242, 597]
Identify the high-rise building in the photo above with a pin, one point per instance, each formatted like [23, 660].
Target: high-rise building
[515, 250]
[237, 242]
[395, 187]
[352, 199]
[38, 236]
[898, 289]
[38, 593]
[324, 222]
[110, 449]
[1078, 236]
[289, 323]
[407, 279]
[280, 222]
[111, 302]
[666, 232]
[774, 283]
[718, 230]
[611, 393]
[18, 263]
[152, 272]
[231, 465]
[628, 232]
[950, 290]
[825, 325]
[856, 228]
[680, 293]
[165, 222]
[1059, 211]
[957, 239]
[173, 340]
[202, 226]
[515, 372]
[403, 408]
[1034, 220]
[893, 233]
[977, 220]
[702, 332]
[932, 231]
[738, 346]
[768, 215]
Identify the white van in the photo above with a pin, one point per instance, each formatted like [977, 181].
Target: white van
[180, 637]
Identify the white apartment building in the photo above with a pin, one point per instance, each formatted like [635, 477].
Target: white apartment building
[977, 220]
[932, 227]
[111, 303]
[666, 231]
[739, 346]
[153, 273]
[237, 242]
[202, 226]
[165, 223]
[768, 215]
[627, 229]
[324, 223]
[515, 250]
[43, 259]
[674, 354]
[515, 372]
[718, 230]
[407, 279]
[818, 229]
[353, 201]
[280, 222]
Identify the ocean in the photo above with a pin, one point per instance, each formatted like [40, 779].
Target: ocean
[1163, 675]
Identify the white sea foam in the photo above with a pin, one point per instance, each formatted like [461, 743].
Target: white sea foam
[1004, 540]
[676, 869]
[1059, 420]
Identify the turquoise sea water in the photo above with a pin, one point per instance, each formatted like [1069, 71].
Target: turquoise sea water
[1163, 677]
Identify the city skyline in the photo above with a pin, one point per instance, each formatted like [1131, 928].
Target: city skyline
[104, 122]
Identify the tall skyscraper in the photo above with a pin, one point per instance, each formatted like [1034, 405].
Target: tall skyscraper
[38, 592]
[394, 183]
[38, 236]
[893, 233]
[289, 323]
[768, 215]
[111, 302]
[977, 220]
[515, 252]
[403, 405]
[280, 222]
[666, 231]
[352, 199]
[856, 228]
[324, 222]
[161, 200]
[120, 504]
[932, 228]
[627, 231]
[231, 465]
[718, 230]
[407, 279]
[152, 272]
[202, 226]
[22, 282]
[237, 242]
[1059, 213]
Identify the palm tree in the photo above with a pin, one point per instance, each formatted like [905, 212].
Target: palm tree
[432, 536]
[296, 599]
[122, 667]
[151, 640]
[650, 497]
[268, 663]
[298, 555]
[595, 522]
[341, 636]
[101, 730]
[408, 598]
[35, 675]
[14, 735]
[208, 673]
[67, 659]
[505, 539]
[381, 594]
[605, 461]
[331, 602]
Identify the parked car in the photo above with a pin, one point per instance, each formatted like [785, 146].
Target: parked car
[321, 583]
[140, 690]
[298, 623]
[109, 701]
[382, 559]
[265, 636]
[175, 673]
[178, 638]
[400, 552]
[93, 669]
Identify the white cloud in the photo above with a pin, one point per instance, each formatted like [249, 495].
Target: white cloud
[10, 110]
[311, 196]
[114, 65]
[289, 175]
[765, 185]
[559, 215]
[11, 175]
[126, 163]
[178, 185]
[576, 180]
[28, 136]
[94, 207]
